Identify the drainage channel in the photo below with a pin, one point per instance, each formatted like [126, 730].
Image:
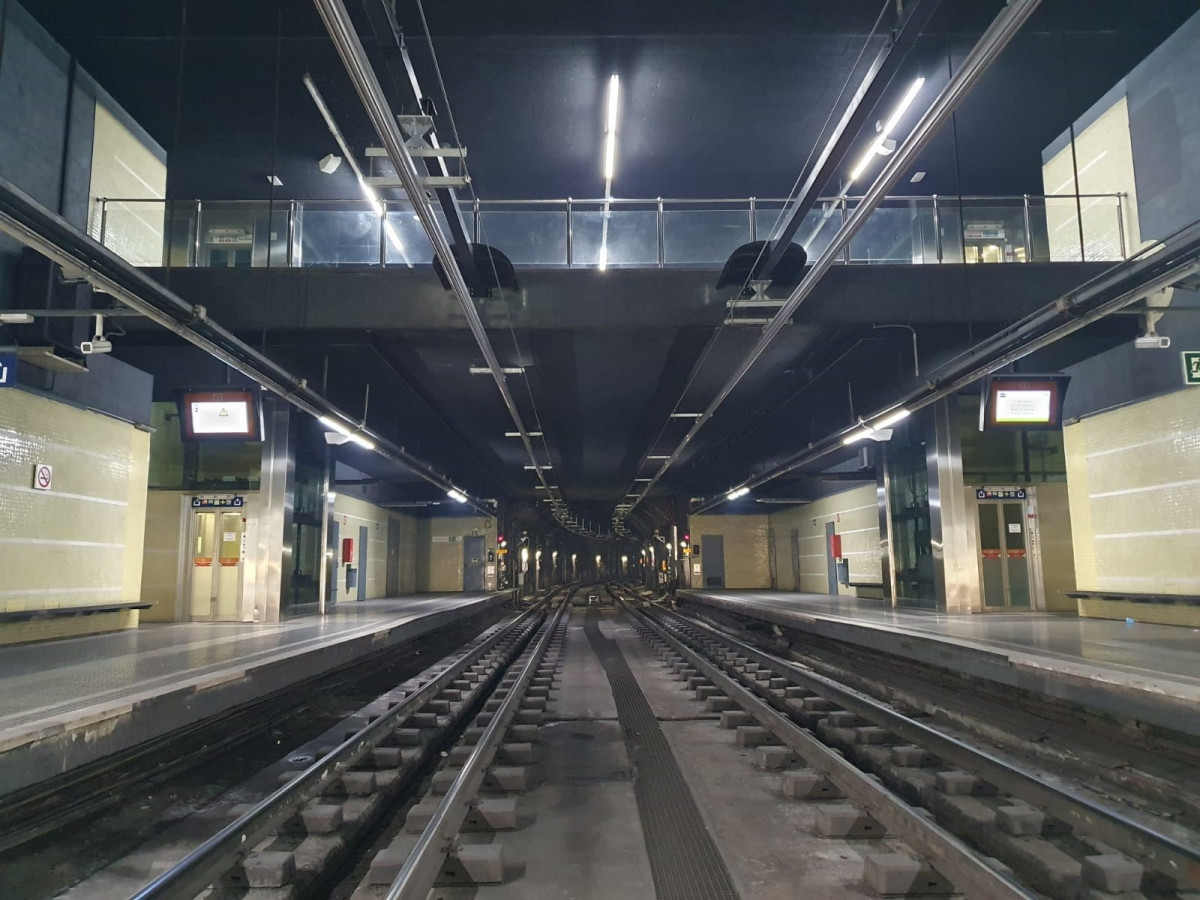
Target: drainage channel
[684, 859]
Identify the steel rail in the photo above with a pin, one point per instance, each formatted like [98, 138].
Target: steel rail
[1178, 860]
[912, 19]
[994, 40]
[345, 39]
[26, 220]
[227, 847]
[952, 858]
[1156, 267]
[419, 871]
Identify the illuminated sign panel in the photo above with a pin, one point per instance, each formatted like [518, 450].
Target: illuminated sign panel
[1023, 401]
[1023, 407]
[220, 415]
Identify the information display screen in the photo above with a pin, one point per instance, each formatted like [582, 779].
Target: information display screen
[1024, 401]
[220, 415]
[1023, 407]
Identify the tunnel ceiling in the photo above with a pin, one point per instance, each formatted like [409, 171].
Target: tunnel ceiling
[721, 100]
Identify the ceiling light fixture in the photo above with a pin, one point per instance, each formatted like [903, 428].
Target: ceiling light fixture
[879, 145]
[658, 456]
[348, 434]
[873, 429]
[517, 434]
[16, 318]
[610, 162]
[504, 370]
[737, 493]
[456, 495]
[678, 415]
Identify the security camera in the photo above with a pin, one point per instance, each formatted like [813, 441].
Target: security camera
[98, 344]
[329, 163]
[1152, 342]
[336, 439]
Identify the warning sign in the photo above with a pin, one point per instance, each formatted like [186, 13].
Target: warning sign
[43, 477]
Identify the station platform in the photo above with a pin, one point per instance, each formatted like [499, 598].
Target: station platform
[1141, 672]
[70, 702]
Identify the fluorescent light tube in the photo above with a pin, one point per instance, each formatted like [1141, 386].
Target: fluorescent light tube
[892, 121]
[891, 419]
[614, 91]
[610, 155]
[456, 495]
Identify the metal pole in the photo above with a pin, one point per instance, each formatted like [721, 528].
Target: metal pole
[1121, 223]
[103, 219]
[570, 236]
[994, 40]
[753, 222]
[662, 236]
[196, 248]
[937, 227]
[291, 234]
[1028, 230]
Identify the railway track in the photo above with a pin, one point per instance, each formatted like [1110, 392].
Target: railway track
[303, 839]
[987, 827]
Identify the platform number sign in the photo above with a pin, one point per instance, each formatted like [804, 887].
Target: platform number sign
[8, 370]
[1191, 366]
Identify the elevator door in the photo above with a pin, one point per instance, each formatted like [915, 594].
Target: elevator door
[1004, 557]
[216, 582]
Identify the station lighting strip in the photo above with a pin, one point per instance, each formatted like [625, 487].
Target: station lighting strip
[1156, 267]
[997, 36]
[358, 66]
[25, 220]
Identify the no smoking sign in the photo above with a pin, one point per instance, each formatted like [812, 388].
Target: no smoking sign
[43, 477]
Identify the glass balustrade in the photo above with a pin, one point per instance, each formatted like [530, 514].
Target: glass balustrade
[615, 233]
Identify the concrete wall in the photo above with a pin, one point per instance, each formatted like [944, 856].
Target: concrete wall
[855, 516]
[1133, 476]
[80, 543]
[747, 565]
[440, 550]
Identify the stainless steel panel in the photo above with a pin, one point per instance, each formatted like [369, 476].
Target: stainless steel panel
[277, 499]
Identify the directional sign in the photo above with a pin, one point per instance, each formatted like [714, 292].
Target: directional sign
[1191, 366]
[1003, 493]
[218, 502]
[8, 370]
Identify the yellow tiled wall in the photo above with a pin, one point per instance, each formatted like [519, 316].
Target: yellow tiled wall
[1133, 478]
[353, 514]
[1058, 560]
[164, 554]
[409, 557]
[79, 544]
[440, 563]
[856, 518]
[746, 563]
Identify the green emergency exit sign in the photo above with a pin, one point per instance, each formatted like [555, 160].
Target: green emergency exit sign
[1191, 366]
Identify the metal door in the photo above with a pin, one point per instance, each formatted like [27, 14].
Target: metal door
[830, 559]
[392, 589]
[473, 563]
[1003, 555]
[713, 558]
[335, 557]
[215, 589]
[364, 537]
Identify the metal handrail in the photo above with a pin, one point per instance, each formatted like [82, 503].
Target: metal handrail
[650, 201]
